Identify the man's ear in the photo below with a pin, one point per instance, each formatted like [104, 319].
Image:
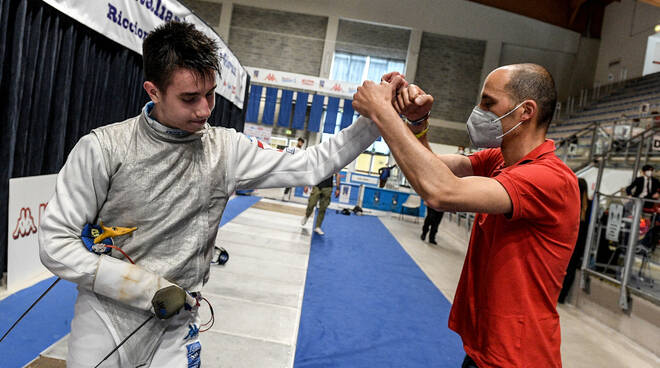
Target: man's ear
[530, 110]
[153, 91]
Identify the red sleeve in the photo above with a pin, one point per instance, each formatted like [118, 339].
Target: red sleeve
[539, 191]
[484, 162]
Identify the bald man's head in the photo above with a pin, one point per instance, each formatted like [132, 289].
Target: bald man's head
[533, 82]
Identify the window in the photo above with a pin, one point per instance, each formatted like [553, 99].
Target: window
[370, 163]
[358, 68]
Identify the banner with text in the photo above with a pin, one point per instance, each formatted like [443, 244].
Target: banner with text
[302, 82]
[28, 198]
[128, 22]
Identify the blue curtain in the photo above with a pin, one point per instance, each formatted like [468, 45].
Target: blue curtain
[285, 108]
[269, 109]
[348, 114]
[252, 114]
[331, 115]
[300, 110]
[315, 113]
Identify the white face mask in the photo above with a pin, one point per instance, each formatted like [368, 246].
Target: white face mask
[485, 128]
[648, 173]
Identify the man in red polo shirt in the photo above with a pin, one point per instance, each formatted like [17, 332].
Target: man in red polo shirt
[526, 200]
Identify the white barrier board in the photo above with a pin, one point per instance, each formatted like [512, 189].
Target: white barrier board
[28, 198]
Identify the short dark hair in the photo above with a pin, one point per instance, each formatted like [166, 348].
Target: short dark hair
[534, 82]
[301, 139]
[176, 45]
[647, 167]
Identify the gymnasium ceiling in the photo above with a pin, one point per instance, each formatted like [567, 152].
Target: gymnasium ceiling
[582, 16]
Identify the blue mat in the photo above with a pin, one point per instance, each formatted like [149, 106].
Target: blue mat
[50, 320]
[368, 304]
[47, 322]
[237, 205]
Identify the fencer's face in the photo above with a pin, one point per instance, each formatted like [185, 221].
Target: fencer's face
[187, 101]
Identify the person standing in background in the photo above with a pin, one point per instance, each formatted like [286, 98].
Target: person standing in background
[301, 142]
[321, 194]
[431, 223]
[578, 252]
[645, 186]
[384, 174]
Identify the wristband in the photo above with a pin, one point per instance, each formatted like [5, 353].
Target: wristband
[420, 120]
[423, 132]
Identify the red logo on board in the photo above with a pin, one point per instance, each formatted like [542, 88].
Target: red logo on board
[25, 224]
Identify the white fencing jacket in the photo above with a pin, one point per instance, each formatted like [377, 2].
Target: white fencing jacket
[173, 187]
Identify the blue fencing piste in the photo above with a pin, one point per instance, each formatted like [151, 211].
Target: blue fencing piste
[285, 108]
[331, 115]
[252, 113]
[300, 110]
[269, 109]
[315, 113]
[348, 114]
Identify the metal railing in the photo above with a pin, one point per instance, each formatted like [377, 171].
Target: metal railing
[465, 219]
[606, 139]
[622, 237]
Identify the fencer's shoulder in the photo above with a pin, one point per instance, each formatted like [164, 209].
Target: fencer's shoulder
[117, 126]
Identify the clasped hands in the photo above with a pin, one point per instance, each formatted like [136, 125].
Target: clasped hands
[375, 100]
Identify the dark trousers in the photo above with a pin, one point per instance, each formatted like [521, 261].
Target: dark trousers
[468, 362]
[431, 222]
[575, 262]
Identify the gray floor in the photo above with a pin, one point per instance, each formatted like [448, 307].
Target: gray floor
[585, 341]
[258, 295]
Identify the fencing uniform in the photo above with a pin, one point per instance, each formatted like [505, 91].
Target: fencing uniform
[173, 186]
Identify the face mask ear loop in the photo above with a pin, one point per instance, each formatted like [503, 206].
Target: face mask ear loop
[510, 130]
[508, 113]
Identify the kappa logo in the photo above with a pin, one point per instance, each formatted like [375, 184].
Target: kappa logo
[270, 77]
[337, 87]
[25, 224]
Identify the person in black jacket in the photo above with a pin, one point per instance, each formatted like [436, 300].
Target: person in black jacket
[645, 186]
[578, 251]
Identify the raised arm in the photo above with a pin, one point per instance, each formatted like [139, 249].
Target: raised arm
[432, 178]
[255, 166]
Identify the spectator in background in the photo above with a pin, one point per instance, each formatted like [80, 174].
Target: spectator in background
[321, 194]
[384, 174]
[645, 186]
[461, 151]
[578, 252]
[298, 147]
[431, 223]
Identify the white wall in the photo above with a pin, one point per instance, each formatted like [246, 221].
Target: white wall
[458, 18]
[626, 27]
[652, 54]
